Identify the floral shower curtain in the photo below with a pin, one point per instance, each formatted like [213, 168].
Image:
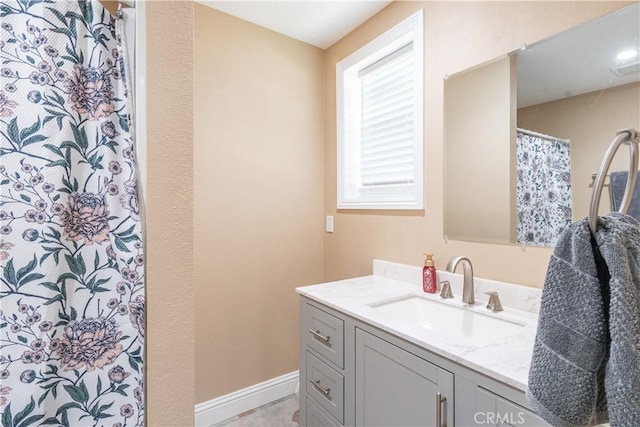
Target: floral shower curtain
[543, 188]
[72, 279]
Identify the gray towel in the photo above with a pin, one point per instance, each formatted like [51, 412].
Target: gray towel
[585, 368]
[618, 182]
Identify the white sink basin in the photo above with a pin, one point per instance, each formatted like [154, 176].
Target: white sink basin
[473, 322]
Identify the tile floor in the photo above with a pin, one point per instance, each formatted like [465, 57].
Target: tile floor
[281, 413]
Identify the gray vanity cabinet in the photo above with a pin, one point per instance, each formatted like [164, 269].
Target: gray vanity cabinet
[494, 410]
[354, 374]
[478, 405]
[326, 367]
[397, 388]
[315, 417]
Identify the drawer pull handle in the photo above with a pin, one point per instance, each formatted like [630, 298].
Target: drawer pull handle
[324, 391]
[440, 399]
[318, 335]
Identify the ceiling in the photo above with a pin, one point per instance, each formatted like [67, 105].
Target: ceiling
[320, 23]
[577, 61]
[582, 59]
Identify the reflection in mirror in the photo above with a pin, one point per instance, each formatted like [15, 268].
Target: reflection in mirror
[519, 169]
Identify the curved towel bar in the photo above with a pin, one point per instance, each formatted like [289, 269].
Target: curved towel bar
[630, 138]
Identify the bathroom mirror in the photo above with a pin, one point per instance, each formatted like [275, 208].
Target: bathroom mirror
[525, 133]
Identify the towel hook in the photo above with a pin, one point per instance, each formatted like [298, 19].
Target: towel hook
[630, 138]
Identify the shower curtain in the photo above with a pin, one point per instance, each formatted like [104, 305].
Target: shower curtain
[543, 188]
[72, 281]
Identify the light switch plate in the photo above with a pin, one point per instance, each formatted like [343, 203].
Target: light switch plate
[329, 225]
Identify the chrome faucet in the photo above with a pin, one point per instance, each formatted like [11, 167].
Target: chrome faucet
[467, 275]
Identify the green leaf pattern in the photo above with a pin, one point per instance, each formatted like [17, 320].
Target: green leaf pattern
[72, 306]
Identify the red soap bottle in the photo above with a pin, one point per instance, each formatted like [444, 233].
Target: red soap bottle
[429, 275]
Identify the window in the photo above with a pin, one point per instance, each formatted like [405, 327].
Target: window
[380, 108]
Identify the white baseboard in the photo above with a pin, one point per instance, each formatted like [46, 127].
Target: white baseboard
[228, 406]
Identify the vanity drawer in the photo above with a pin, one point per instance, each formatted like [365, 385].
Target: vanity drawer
[325, 334]
[326, 386]
[317, 418]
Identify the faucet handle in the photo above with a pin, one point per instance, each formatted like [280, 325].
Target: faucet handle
[446, 290]
[494, 301]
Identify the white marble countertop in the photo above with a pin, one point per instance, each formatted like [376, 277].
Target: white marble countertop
[503, 355]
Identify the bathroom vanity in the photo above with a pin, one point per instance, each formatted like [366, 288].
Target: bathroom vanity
[377, 351]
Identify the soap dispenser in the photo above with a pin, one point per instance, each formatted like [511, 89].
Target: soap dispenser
[429, 275]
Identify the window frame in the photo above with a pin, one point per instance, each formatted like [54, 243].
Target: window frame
[349, 196]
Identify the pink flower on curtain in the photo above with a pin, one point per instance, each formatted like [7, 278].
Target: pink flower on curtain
[6, 105]
[4, 391]
[89, 344]
[90, 92]
[4, 247]
[130, 200]
[136, 313]
[86, 217]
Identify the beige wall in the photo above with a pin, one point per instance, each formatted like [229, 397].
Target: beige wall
[590, 121]
[169, 251]
[458, 35]
[250, 317]
[478, 185]
[258, 198]
[110, 5]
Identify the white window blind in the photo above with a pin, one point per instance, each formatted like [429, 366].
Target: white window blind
[387, 123]
[379, 118]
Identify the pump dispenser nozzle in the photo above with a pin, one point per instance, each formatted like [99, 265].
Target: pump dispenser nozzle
[429, 261]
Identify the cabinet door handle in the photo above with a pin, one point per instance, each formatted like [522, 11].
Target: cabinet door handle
[440, 399]
[320, 336]
[324, 391]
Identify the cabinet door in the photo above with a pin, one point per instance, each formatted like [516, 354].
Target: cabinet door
[477, 406]
[397, 388]
[494, 410]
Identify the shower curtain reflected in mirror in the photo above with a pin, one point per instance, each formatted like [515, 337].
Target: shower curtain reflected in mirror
[72, 281]
[543, 188]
